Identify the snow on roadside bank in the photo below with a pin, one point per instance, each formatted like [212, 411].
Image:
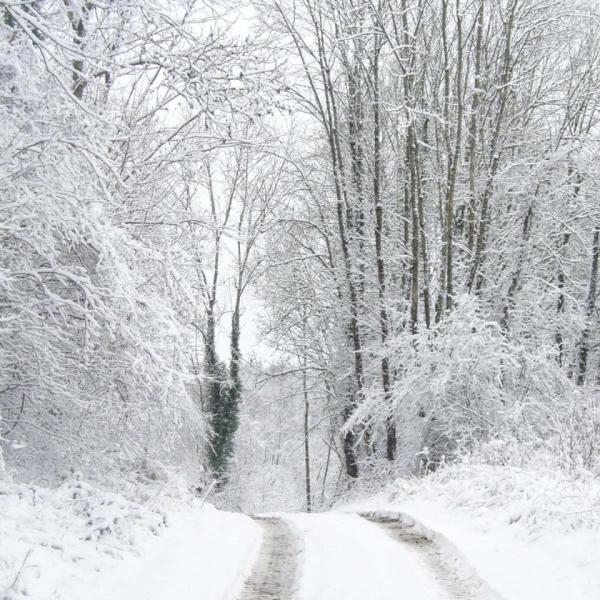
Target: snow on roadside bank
[528, 534]
[77, 542]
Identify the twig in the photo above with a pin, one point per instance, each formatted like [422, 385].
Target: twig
[16, 421]
[16, 579]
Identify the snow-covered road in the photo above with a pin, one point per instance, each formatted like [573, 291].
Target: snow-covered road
[347, 558]
[341, 556]
[291, 556]
[214, 555]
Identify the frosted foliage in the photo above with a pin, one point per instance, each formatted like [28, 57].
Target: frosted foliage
[535, 495]
[469, 382]
[93, 367]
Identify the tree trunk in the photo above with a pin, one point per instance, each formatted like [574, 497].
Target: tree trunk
[454, 154]
[306, 438]
[384, 323]
[584, 346]
[475, 279]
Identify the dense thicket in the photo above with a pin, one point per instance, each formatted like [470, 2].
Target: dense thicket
[109, 113]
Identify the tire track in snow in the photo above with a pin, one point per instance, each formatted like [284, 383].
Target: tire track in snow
[274, 572]
[453, 576]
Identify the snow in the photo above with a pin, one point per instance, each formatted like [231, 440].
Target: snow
[548, 568]
[345, 557]
[204, 555]
[78, 542]
[527, 533]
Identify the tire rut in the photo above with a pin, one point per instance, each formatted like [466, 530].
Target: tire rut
[454, 578]
[274, 572]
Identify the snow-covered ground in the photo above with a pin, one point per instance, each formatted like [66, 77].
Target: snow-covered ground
[77, 543]
[531, 534]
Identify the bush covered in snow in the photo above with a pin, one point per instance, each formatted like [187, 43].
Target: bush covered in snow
[44, 533]
[536, 495]
[95, 334]
[467, 382]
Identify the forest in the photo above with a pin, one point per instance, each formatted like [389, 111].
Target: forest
[288, 249]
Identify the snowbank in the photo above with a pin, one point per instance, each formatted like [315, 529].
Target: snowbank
[78, 542]
[531, 534]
